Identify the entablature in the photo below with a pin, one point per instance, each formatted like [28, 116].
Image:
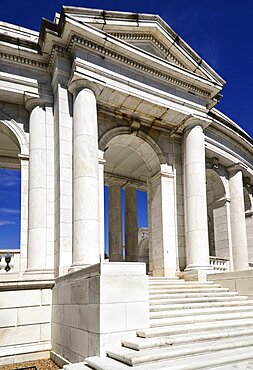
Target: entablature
[135, 98]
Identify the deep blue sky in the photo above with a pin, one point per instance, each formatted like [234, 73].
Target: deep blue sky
[220, 31]
[9, 209]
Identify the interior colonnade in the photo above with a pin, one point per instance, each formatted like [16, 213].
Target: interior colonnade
[116, 252]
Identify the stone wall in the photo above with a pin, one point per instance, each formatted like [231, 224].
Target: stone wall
[239, 281]
[95, 307]
[25, 321]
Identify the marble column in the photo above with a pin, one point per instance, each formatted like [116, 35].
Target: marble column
[115, 223]
[86, 228]
[237, 219]
[131, 224]
[24, 164]
[37, 217]
[197, 248]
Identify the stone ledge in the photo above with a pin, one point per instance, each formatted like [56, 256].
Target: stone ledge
[26, 284]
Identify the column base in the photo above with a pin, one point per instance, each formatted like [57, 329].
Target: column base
[116, 258]
[164, 272]
[78, 266]
[198, 273]
[40, 274]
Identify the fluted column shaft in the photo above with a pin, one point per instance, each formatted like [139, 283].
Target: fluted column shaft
[86, 231]
[131, 224]
[115, 223]
[197, 249]
[37, 217]
[237, 218]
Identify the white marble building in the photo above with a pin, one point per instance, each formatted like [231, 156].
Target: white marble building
[107, 98]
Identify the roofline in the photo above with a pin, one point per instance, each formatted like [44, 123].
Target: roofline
[108, 14]
[222, 118]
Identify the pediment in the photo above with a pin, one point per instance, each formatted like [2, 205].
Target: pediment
[148, 33]
[150, 44]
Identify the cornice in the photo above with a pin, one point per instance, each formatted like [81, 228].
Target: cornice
[56, 48]
[152, 38]
[32, 62]
[133, 63]
[23, 60]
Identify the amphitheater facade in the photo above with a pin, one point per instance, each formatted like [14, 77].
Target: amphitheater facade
[100, 98]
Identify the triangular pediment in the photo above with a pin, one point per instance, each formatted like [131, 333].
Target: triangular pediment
[148, 33]
[150, 44]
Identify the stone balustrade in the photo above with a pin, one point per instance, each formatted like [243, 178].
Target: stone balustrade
[9, 260]
[219, 264]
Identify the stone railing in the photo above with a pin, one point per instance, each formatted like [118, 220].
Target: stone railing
[9, 260]
[219, 264]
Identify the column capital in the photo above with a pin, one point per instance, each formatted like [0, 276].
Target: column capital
[114, 181]
[32, 100]
[195, 121]
[79, 82]
[237, 167]
[131, 185]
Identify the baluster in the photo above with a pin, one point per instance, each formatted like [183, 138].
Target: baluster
[7, 260]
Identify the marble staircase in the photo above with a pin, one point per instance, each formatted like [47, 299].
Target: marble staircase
[193, 325]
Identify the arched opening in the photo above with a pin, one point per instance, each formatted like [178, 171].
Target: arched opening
[218, 232]
[128, 167]
[133, 217]
[10, 189]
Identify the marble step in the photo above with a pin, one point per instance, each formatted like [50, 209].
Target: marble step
[196, 299]
[201, 311]
[248, 365]
[200, 318]
[163, 278]
[238, 356]
[139, 343]
[192, 295]
[182, 282]
[153, 292]
[199, 305]
[133, 358]
[182, 287]
[192, 327]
